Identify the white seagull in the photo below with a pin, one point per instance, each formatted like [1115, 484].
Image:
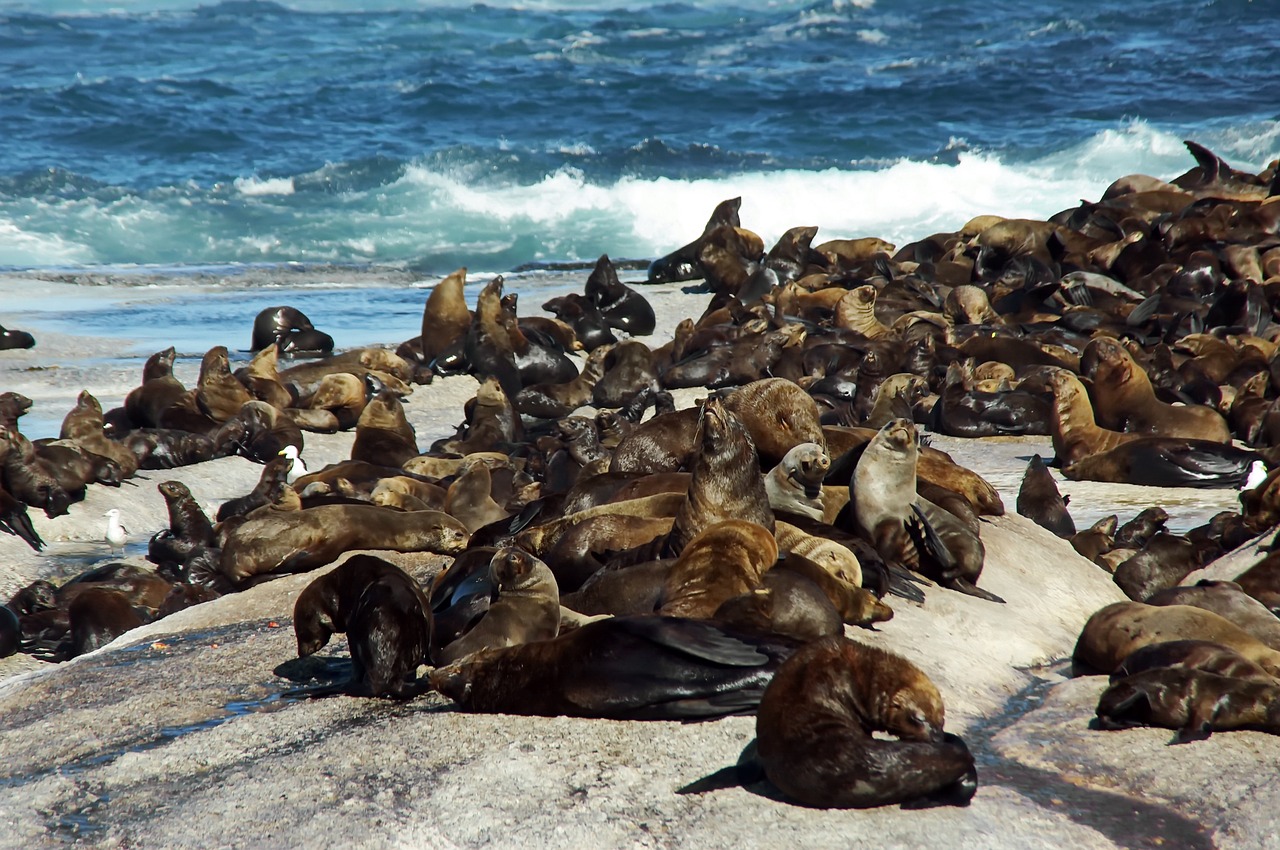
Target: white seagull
[116, 534]
[298, 469]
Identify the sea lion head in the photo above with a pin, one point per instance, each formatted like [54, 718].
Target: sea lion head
[713, 424]
[914, 710]
[490, 393]
[806, 466]
[173, 490]
[312, 620]
[511, 567]
[1106, 360]
[898, 436]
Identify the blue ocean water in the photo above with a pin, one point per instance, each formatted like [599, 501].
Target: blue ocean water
[428, 135]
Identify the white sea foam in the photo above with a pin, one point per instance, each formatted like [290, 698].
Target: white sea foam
[257, 186]
[19, 249]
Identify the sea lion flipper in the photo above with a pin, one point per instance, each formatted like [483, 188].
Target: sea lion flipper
[928, 542]
[698, 639]
[964, 586]
[748, 771]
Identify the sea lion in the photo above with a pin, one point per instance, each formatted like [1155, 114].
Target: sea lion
[299, 541]
[635, 589]
[626, 668]
[10, 632]
[445, 318]
[795, 484]
[581, 314]
[32, 479]
[665, 443]
[340, 394]
[785, 603]
[84, 426]
[160, 390]
[1146, 524]
[629, 370]
[527, 608]
[1097, 539]
[622, 307]
[1193, 702]
[778, 414]
[726, 482]
[273, 476]
[324, 605]
[1166, 560]
[815, 722]
[218, 394]
[14, 520]
[98, 615]
[288, 329]
[470, 500]
[856, 605]
[267, 431]
[1115, 631]
[1228, 600]
[1192, 655]
[550, 401]
[383, 434]
[1124, 400]
[262, 378]
[1040, 501]
[491, 422]
[389, 632]
[11, 339]
[682, 264]
[726, 559]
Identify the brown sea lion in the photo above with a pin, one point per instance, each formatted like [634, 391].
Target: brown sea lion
[299, 541]
[323, 606]
[1166, 560]
[32, 479]
[470, 500]
[1040, 501]
[1262, 581]
[1193, 702]
[340, 394]
[1075, 432]
[445, 318]
[665, 443]
[551, 401]
[527, 608]
[1118, 629]
[785, 603]
[262, 379]
[492, 421]
[795, 484]
[1123, 398]
[636, 589]
[383, 434]
[726, 559]
[272, 477]
[98, 616]
[218, 394]
[622, 307]
[1228, 600]
[726, 482]
[1192, 655]
[856, 605]
[627, 668]
[84, 426]
[628, 369]
[158, 392]
[815, 722]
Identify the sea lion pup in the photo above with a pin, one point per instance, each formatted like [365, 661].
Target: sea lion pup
[1040, 501]
[785, 603]
[815, 722]
[1201, 655]
[527, 608]
[218, 394]
[299, 541]
[31, 479]
[895, 397]
[1227, 599]
[779, 416]
[795, 484]
[1166, 560]
[551, 401]
[1115, 631]
[85, 427]
[98, 615]
[625, 668]
[324, 606]
[726, 482]
[492, 421]
[888, 511]
[1123, 398]
[1146, 524]
[622, 307]
[273, 476]
[188, 528]
[1193, 702]
[470, 500]
[725, 560]
[383, 434]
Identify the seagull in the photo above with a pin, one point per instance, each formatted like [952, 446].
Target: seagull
[298, 469]
[116, 534]
[1257, 474]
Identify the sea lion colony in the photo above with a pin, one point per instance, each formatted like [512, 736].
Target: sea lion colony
[683, 559]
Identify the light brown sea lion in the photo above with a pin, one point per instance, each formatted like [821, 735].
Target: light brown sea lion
[795, 484]
[341, 394]
[84, 426]
[815, 725]
[1228, 600]
[470, 500]
[1075, 432]
[856, 605]
[836, 558]
[445, 318]
[383, 434]
[856, 312]
[778, 414]
[726, 559]
[218, 394]
[527, 608]
[262, 379]
[303, 540]
[1193, 702]
[850, 253]
[726, 482]
[1123, 399]
[636, 589]
[1117, 630]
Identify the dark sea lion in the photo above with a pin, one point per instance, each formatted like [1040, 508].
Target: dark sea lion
[492, 421]
[626, 668]
[1040, 501]
[268, 432]
[98, 616]
[188, 529]
[323, 607]
[1166, 560]
[726, 559]
[1192, 655]
[164, 448]
[629, 370]
[1115, 631]
[218, 394]
[636, 589]
[383, 434]
[389, 633]
[622, 307]
[1124, 399]
[815, 722]
[14, 520]
[274, 326]
[855, 605]
[551, 401]
[1262, 581]
[682, 264]
[488, 345]
[271, 479]
[10, 339]
[580, 550]
[527, 608]
[1193, 702]
[785, 603]
[10, 632]
[726, 482]
[299, 541]
[580, 313]
[31, 479]
[1135, 533]
[1167, 462]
